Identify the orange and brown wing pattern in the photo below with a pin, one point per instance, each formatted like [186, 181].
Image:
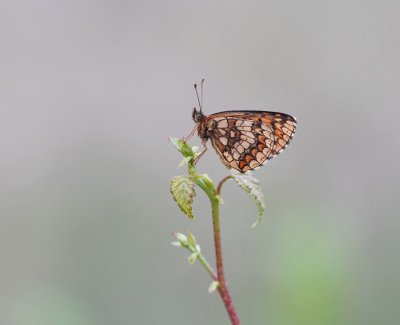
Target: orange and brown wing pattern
[245, 140]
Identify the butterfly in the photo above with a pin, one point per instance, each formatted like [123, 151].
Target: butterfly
[243, 140]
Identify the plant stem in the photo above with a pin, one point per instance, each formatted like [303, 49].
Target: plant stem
[213, 195]
[222, 288]
[208, 267]
[219, 188]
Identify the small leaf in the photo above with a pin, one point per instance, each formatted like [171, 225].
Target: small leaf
[177, 142]
[176, 243]
[181, 237]
[191, 239]
[182, 190]
[183, 147]
[251, 185]
[192, 258]
[207, 181]
[185, 161]
[213, 286]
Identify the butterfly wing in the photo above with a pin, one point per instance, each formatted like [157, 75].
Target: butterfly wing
[245, 140]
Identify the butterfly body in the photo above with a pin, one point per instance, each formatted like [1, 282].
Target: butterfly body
[244, 140]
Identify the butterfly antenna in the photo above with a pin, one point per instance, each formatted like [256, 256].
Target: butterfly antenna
[197, 94]
[201, 94]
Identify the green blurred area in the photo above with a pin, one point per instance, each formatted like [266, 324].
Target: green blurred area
[91, 91]
[310, 281]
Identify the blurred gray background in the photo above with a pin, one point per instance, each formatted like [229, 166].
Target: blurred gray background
[90, 91]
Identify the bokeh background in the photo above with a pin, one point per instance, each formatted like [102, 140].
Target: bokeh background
[90, 91]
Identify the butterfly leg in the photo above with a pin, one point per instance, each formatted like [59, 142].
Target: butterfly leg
[191, 134]
[204, 149]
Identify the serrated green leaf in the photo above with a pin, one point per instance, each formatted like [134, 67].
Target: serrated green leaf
[182, 190]
[251, 186]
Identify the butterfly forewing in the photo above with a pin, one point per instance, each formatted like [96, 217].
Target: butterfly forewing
[245, 140]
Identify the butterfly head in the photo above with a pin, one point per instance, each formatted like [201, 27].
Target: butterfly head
[197, 116]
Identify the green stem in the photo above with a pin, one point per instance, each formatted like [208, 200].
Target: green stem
[207, 266]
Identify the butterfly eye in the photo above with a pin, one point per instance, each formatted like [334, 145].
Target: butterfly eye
[194, 114]
[197, 116]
